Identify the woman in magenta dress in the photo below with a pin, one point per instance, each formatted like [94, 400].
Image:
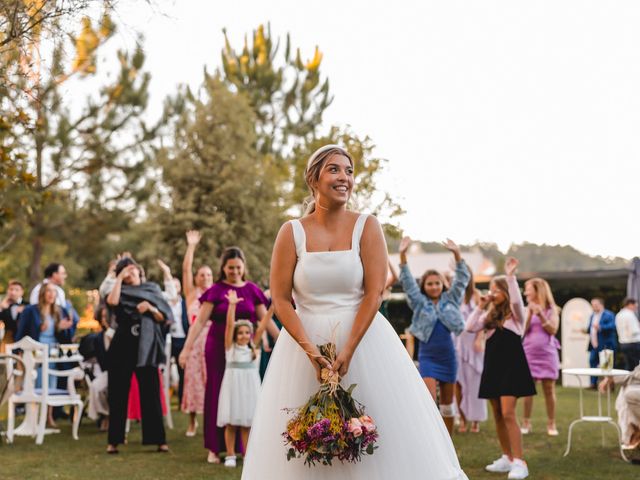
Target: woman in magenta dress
[541, 348]
[214, 307]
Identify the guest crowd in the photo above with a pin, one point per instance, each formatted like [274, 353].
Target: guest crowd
[471, 346]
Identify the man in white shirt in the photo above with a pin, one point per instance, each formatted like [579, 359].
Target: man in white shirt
[628, 328]
[56, 274]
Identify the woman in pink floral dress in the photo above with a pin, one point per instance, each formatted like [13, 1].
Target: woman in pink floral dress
[195, 372]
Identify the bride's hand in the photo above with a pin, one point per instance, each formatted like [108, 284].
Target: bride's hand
[318, 362]
[341, 363]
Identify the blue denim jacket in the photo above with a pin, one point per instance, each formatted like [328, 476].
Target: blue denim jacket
[426, 313]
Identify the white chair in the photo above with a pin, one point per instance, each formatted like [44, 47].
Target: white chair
[166, 381]
[8, 384]
[34, 353]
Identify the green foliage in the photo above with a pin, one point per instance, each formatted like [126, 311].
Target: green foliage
[588, 457]
[287, 95]
[64, 156]
[551, 258]
[219, 183]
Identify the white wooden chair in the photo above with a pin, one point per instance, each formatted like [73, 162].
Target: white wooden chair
[166, 381]
[8, 382]
[34, 353]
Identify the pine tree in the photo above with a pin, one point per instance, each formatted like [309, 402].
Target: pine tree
[217, 182]
[287, 95]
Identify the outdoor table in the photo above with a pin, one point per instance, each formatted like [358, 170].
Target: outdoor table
[29, 425]
[599, 418]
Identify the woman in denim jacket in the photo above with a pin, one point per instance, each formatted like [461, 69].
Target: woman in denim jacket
[436, 315]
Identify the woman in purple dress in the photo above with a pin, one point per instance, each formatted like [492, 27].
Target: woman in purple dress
[541, 348]
[214, 307]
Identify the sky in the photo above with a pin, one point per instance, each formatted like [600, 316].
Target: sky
[502, 121]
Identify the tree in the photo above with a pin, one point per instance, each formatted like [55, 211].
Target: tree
[216, 181]
[289, 98]
[96, 154]
[287, 95]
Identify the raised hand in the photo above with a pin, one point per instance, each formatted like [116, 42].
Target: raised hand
[453, 248]
[193, 237]
[165, 268]
[405, 243]
[511, 266]
[232, 297]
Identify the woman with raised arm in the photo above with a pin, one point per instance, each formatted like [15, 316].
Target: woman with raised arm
[195, 371]
[232, 276]
[333, 262]
[436, 315]
[505, 375]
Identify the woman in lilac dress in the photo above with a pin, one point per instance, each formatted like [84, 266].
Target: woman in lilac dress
[541, 348]
[214, 307]
[470, 354]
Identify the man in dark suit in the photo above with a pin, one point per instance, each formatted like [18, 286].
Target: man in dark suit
[10, 309]
[602, 334]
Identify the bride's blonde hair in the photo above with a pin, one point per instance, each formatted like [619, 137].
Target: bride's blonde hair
[315, 164]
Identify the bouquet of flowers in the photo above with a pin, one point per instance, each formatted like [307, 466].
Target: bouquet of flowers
[331, 424]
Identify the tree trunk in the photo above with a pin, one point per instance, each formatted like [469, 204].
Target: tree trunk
[37, 246]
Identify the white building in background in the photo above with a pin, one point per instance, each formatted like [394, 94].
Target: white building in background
[419, 262]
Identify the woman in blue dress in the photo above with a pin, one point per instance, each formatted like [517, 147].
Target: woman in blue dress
[436, 315]
[48, 323]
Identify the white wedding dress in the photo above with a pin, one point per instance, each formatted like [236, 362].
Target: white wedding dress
[413, 442]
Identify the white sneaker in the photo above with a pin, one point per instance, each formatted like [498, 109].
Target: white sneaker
[501, 465]
[230, 461]
[519, 470]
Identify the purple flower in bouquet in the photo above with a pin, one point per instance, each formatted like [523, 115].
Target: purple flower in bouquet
[318, 429]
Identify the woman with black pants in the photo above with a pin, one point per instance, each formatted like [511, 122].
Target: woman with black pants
[142, 315]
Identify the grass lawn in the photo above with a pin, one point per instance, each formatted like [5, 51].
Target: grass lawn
[60, 457]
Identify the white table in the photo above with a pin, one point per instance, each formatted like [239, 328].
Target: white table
[29, 425]
[599, 418]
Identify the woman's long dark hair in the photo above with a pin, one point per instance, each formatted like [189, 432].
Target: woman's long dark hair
[230, 253]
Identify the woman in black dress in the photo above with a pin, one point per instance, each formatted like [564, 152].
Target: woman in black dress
[506, 375]
[142, 315]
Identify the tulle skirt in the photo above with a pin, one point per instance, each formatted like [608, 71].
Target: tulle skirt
[413, 441]
[238, 397]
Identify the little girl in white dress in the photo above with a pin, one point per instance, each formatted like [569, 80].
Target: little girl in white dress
[241, 381]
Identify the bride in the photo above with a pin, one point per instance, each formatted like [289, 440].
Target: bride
[334, 262]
